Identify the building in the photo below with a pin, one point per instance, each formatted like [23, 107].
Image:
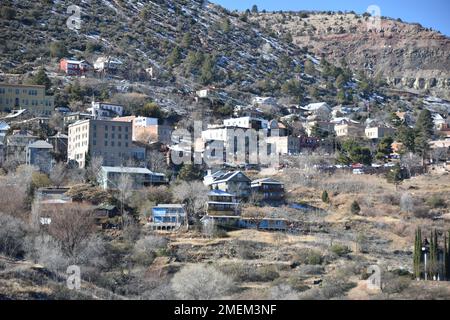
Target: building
[73, 117]
[221, 202]
[349, 129]
[111, 140]
[110, 177]
[288, 145]
[60, 145]
[318, 111]
[2, 153]
[247, 123]
[378, 132]
[322, 126]
[30, 97]
[39, 155]
[234, 182]
[16, 145]
[103, 110]
[234, 222]
[148, 130]
[168, 216]
[74, 67]
[269, 189]
[107, 64]
[264, 101]
[4, 128]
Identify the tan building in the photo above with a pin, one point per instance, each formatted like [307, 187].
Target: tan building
[30, 97]
[148, 129]
[287, 145]
[101, 138]
[378, 132]
[349, 130]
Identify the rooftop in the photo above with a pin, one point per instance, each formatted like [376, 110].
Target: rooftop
[40, 144]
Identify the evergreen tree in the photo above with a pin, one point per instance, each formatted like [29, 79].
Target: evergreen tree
[425, 124]
[174, 57]
[41, 78]
[417, 253]
[325, 197]
[434, 263]
[207, 71]
[396, 175]
[355, 208]
[446, 256]
[384, 148]
[255, 8]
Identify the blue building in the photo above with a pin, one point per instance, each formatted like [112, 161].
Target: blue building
[167, 216]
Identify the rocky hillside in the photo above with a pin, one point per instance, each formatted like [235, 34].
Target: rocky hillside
[191, 42]
[408, 56]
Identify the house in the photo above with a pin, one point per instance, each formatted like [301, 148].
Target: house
[60, 143]
[168, 216]
[73, 117]
[221, 202]
[247, 123]
[30, 97]
[148, 130]
[308, 142]
[16, 145]
[233, 182]
[39, 154]
[74, 67]
[104, 110]
[234, 222]
[264, 101]
[323, 126]
[277, 129]
[104, 213]
[439, 121]
[270, 189]
[110, 177]
[107, 64]
[4, 128]
[378, 132]
[284, 145]
[53, 195]
[318, 111]
[349, 129]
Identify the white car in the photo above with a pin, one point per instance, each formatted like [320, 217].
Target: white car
[358, 171]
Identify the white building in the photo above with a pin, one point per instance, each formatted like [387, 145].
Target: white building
[104, 110]
[247, 122]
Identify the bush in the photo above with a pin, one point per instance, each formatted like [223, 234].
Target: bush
[200, 282]
[339, 249]
[355, 208]
[12, 236]
[436, 202]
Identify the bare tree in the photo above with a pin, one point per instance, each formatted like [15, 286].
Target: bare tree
[410, 161]
[200, 282]
[93, 169]
[12, 235]
[71, 225]
[58, 174]
[157, 161]
[406, 202]
[194, 195]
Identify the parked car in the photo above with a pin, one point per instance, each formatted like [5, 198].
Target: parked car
[358, 171]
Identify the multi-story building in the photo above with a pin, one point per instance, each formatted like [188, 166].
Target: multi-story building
[111, 140]
[39, 155]
[378, 132]
[349, 129]
[104, 110]
[74, 67]
[30, 97]
[148, 129]
[287, 145]
[235, 183]
[167, 216]
[16, 145]
[73, 117]
[110, 177]
[60, 144]
[247, 123]
[270, 189]
[222, 203]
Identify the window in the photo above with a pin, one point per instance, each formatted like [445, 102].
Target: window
[106, 143]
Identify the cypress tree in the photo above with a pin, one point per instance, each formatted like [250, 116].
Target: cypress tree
[417, 253]
[446, 257]
[433, 254]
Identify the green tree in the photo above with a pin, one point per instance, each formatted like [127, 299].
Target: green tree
[355, 208]
[151, 110]
[351, 152]
[447, 256]
[417, 253]
[310, 68]
[395, 120]
[58, 50]
[396, 175]
[325, 197]
[424, 124]
[190, 172]
[208, 70]
[407, 136]
[41, 78]
[384, 148]
[174, 57]
[255, 8]
[341, 81]
[293, 88]
[7, 13]
[434, 249]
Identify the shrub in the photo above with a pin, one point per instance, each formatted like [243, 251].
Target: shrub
[325, 197]
[436, 202]
[12, 236]
[339, 249]
[355, 208]
[200, 282]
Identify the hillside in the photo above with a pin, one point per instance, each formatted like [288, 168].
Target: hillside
[190, 42]
[408, 56]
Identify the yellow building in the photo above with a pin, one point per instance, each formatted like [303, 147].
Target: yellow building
[30, 97]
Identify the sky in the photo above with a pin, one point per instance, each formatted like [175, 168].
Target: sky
[429, 13]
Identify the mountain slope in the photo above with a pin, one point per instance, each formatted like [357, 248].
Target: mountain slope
[406, 55]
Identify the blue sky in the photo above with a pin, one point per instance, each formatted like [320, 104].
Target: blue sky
[429, 13]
